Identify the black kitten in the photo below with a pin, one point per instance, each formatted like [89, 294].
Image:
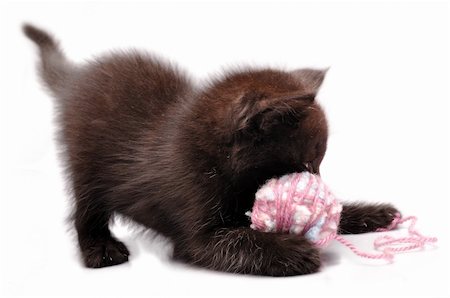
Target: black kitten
[141, 141]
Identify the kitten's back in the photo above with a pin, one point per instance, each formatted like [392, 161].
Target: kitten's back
[118, 94]
[132, 84]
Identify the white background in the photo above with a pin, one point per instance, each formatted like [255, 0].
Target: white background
[386, 96]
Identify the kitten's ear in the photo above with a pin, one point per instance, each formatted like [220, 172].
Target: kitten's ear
[261, 115]
[311, 79]
[274, 120]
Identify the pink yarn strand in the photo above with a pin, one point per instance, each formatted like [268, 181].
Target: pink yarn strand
[384, 255]
[390, 245]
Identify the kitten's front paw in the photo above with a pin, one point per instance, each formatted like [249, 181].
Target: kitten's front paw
[364, 218]
[383, 218]
[105, 253]
[297, 257]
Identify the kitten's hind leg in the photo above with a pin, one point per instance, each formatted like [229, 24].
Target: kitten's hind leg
[98, 247]
[357, 218]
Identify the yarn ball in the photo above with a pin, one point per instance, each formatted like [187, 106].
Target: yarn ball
[298, 203]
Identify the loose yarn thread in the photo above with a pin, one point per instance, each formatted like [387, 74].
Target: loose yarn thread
[300, 203]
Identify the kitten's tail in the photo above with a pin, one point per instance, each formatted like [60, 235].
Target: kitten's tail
[54, 67]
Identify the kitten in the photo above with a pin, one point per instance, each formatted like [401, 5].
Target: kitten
[140, 140]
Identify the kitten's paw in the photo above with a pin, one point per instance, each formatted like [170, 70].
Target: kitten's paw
[105, 253]
[382, 218]
[297, 257]
[364, 218]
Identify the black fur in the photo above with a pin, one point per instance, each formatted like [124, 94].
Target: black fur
[140, 140]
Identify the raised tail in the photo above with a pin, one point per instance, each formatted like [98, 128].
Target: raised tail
[54, 68]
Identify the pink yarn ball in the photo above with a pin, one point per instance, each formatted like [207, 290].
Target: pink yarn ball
[298, 203]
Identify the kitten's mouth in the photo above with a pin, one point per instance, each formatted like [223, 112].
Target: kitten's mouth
[250, 181]
[309, 166]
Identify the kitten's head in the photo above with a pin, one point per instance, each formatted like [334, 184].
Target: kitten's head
[267, 121]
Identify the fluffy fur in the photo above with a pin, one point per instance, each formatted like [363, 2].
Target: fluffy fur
[140, 140]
